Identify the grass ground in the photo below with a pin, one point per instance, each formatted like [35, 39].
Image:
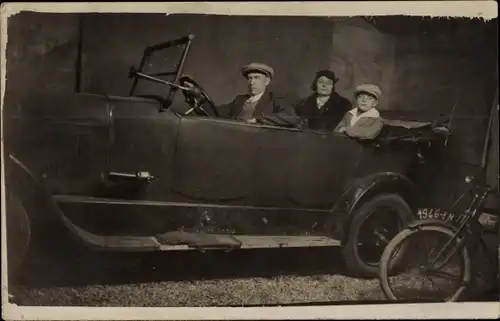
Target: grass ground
[234, 292]
[193, 279]
[249, 277]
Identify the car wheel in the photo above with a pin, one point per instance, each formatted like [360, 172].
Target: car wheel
[374, 224]
[18, 232]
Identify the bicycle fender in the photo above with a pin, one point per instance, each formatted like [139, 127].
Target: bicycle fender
[431, 222]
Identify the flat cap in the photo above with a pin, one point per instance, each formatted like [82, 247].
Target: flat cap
[258, 67]
[370, 89]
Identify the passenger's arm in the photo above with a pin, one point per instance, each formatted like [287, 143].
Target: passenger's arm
[225, 109]
[283, 114]
[342, 126]
[365, 128]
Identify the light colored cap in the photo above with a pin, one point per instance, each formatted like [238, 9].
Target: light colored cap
[373, 90]
[258, 67]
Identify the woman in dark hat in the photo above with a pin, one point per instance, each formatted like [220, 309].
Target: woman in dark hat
[323, 109]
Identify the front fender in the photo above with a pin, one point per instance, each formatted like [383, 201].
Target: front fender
[47, 222]
[363, 189]
[30, 189]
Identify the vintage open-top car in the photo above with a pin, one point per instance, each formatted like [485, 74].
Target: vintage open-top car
[135, 174]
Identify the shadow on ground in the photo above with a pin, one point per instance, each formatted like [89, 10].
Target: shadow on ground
[111, 268]
[145, 272]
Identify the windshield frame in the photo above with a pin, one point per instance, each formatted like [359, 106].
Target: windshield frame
[138, 74]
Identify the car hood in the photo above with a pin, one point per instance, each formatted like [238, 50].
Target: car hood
[37, 114]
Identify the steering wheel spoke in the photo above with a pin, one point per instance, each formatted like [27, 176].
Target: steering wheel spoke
[196, 97]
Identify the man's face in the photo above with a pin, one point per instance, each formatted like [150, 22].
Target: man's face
[257, 83]
[365, 102]
[324, 86]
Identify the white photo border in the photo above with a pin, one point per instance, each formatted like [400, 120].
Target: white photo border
[471, 9]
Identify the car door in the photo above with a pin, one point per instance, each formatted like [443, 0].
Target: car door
[298, 176]
[277, 148]
[215, 161]
[141, 139]
[321, 167]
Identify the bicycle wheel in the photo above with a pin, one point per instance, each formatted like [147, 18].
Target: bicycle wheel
[403, 277]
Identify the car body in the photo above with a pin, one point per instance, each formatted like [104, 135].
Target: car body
[130, 174]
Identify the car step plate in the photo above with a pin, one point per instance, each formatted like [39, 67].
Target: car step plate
[198, 240]
[264, 241]
[178, 240]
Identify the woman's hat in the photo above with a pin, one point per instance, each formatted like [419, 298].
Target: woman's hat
[328, 74]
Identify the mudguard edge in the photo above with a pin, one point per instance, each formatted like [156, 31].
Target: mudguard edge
[30, 189]
[364, 189]
[429, 222]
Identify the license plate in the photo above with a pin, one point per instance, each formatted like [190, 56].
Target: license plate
[436, 214]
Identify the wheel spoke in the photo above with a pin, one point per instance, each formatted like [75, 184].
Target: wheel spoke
[381, 237]
[375, 233]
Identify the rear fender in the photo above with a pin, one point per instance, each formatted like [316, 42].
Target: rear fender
[361, 191]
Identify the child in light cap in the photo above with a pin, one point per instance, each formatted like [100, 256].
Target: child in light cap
[364, 120]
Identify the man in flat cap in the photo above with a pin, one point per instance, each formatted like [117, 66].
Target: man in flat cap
[259, 104]
[363, 121]
[324, 108]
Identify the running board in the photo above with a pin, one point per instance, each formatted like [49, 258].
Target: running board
[179, 240]
[225, 241]
[257, 241]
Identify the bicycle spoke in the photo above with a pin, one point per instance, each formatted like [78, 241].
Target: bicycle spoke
[424, 275]
[442, 275]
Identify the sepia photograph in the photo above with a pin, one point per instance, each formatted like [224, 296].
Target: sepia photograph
[200, 159]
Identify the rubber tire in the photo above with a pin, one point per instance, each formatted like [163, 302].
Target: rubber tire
[18, 233]
[401, 237]
[354, 264]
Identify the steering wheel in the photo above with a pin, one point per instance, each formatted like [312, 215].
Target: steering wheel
[165, 103]
[197, 98]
